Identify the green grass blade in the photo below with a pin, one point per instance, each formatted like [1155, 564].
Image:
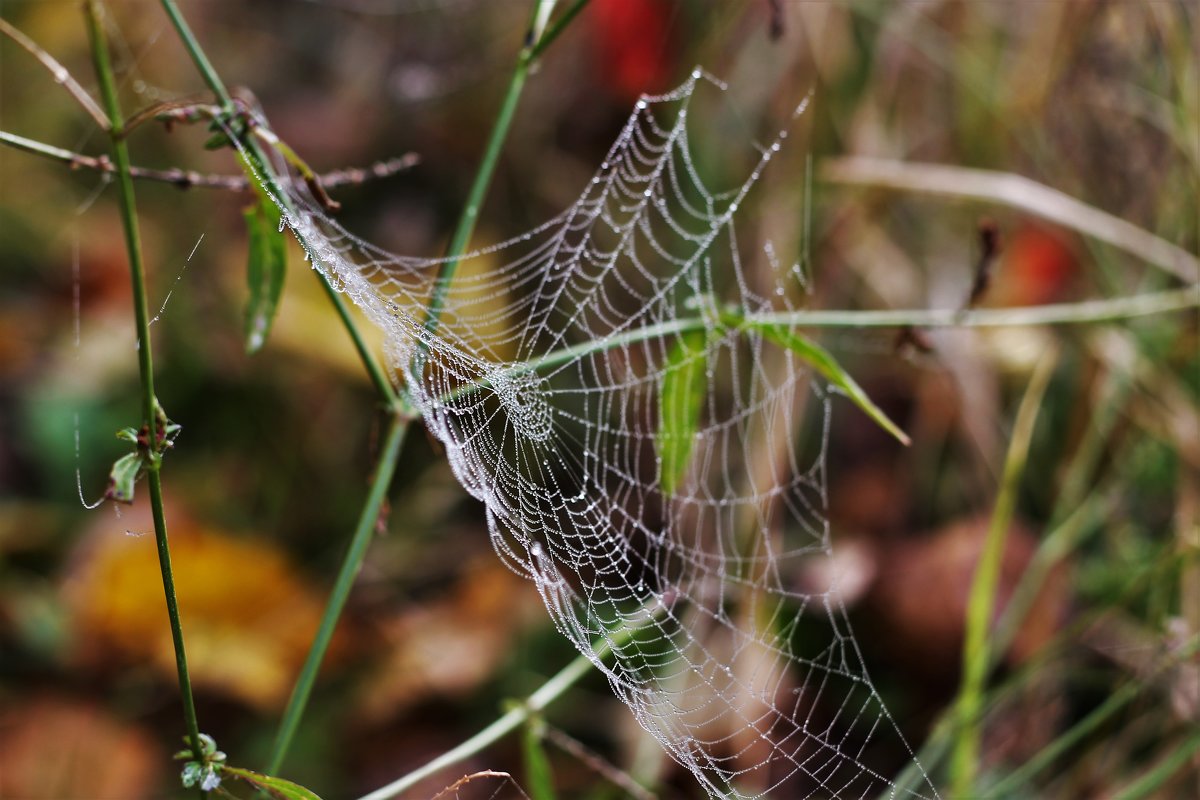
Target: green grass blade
[266, 268]
[820, 359]
[982, 601]
[680, 401]
[1162, 772]
[539, 777]
[385, 470]
[275, 788]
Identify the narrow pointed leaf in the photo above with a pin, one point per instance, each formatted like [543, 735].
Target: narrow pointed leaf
[820, 359]
[265, 271]
[539, 777]
[680, 401]
[122, 477]
[275, 788]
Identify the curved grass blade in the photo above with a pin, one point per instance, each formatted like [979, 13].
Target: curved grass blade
[275, 788]
[820, 359]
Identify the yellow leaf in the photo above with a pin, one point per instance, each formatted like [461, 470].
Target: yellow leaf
[248, 616]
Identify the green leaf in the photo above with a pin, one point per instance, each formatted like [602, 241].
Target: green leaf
[217, 141]
[538, 775]
[276, 788]
[820, 360]
[265, 271]
[680, 400]
[122, 477]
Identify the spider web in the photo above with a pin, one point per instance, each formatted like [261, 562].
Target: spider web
[546, 379]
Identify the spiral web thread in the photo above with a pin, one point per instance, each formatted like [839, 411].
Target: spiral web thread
[543, 378]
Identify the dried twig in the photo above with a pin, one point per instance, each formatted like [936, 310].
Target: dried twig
[614, 775]
[186, 179]
[59, 72]
[454, 788]
[1017, 192]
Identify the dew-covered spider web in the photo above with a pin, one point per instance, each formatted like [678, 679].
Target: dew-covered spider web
[652, 465]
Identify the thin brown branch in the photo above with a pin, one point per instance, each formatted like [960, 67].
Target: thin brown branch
[453, 789]
[186, 179]
[173, 113]
[60, 74]
[613, 774]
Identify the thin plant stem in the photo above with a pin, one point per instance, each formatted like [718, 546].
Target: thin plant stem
[351, 564]
[487, 165]
[261, 166]
[357, 550]
[1015, 191]
[383, 387]
[199, 58]
[60, 74]
[965, 758]
[399, 423]
[479, 187]
[513, 719]
[597, 763]
[1086, 312]
[1063, 743]
[552, 32]
[188, 179]
[152, 415]
[1074, 512]
[1010, 785]
[517, 716]
[385, 469]
[1162, 772]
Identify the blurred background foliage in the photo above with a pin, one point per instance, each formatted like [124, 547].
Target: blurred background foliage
[1098, 99]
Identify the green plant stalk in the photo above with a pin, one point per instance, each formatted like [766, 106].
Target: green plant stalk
[357, 550]
[351, 564]
[1012, 784]
[38, 148]
[1046, 755]
[942, 735]
[536, 42]
[479, 187]
[1162, 772]
[965, 758]
[394, 439]
[551, 33]
[938, 742]
[387, 393]
[517, 716]
[1086, 312]
[550, 691]
[1074, 513]
[263, 172]
[199, 58]
[150, 407]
